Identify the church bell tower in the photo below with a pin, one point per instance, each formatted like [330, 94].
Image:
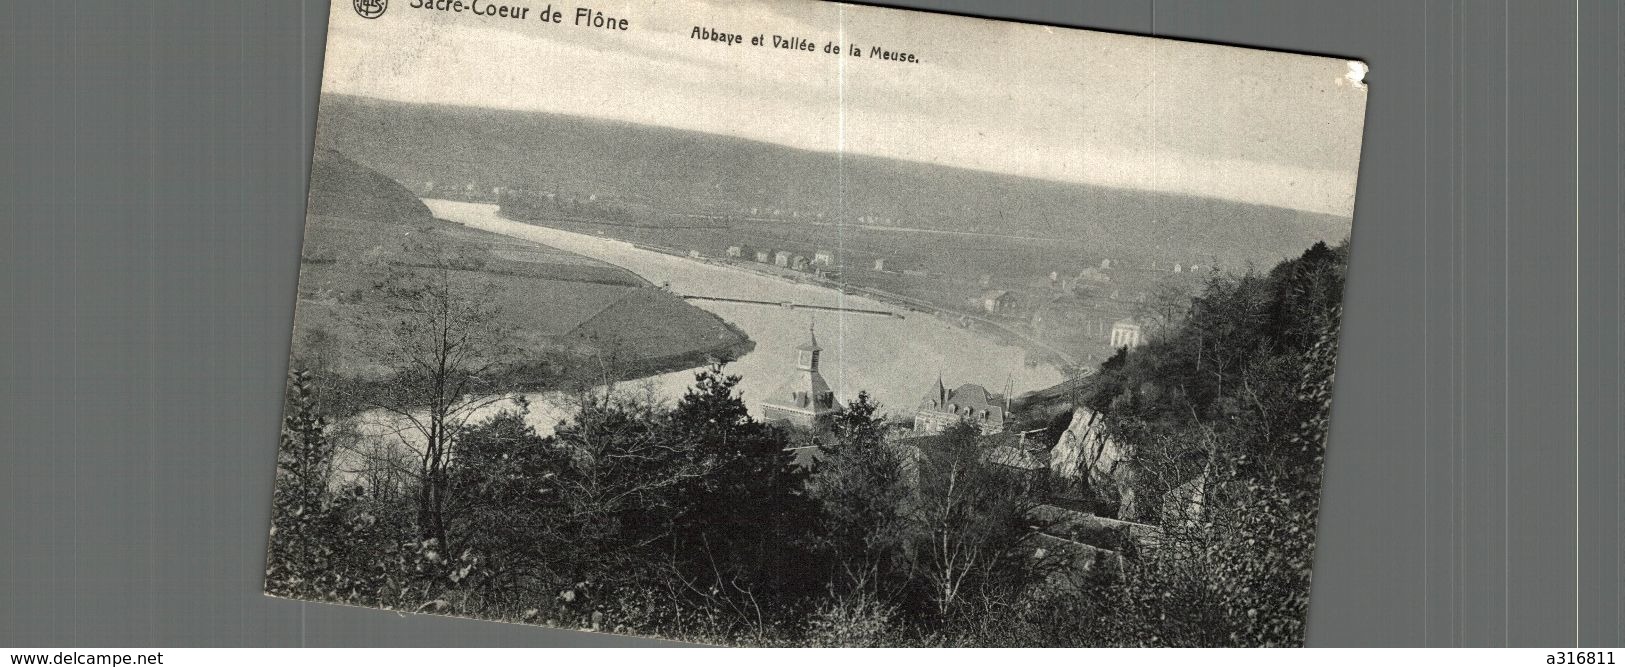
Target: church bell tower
[806, 399]
[807, 353]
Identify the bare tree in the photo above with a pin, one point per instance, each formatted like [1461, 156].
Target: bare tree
[441, 338]
[970, 518]
[1167, 303]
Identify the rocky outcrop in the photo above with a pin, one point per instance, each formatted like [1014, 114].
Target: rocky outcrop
[1103, 466]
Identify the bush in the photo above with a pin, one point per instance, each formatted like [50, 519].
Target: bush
[859, 621]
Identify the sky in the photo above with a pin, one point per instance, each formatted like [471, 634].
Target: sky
[1055, 103]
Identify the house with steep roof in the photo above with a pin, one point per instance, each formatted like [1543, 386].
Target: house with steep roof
[941, 408]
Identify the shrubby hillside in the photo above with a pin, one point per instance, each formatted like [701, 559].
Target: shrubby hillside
[1218, 427]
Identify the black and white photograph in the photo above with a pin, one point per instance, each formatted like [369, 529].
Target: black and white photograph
[797, 323]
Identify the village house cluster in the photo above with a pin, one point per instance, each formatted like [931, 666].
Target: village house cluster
[821, 262]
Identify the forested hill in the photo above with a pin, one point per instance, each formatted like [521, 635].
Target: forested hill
[1218, 427]
[684, 171]
[341, 188]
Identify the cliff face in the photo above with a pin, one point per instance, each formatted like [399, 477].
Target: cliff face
[1104, 466]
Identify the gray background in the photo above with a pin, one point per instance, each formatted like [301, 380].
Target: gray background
[151, 207]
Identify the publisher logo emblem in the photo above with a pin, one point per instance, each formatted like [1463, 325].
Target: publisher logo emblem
[370, 9]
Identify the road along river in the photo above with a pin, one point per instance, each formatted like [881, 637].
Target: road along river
[895, 360]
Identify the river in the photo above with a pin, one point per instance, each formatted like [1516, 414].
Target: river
[895, 360]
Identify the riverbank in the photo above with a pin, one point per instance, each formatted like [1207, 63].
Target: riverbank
[1042, 352]
[895, 360]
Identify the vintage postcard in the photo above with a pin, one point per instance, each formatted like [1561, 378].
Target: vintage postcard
[794, 323]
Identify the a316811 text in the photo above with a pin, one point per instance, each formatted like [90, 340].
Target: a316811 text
[1580, 658]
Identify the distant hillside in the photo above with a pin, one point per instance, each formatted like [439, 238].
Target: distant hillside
[683, 171]
[341, 188]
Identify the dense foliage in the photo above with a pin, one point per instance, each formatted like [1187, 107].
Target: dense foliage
[691, 520]
[686, 521]
[1225, 415]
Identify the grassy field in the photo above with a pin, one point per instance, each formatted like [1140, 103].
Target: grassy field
[562, 307]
